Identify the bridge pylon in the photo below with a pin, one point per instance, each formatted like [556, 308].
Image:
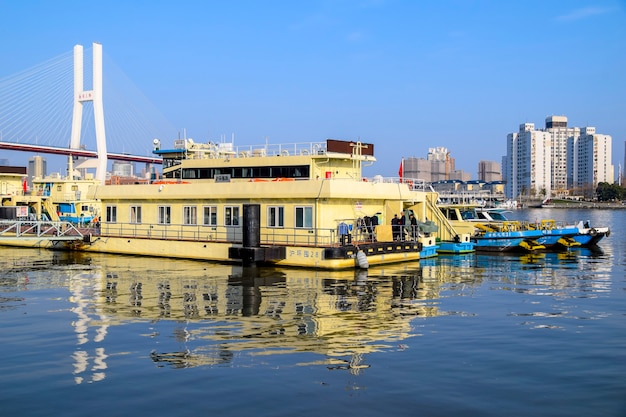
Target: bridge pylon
[95, 96]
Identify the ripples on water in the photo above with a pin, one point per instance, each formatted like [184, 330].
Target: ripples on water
[539, 334]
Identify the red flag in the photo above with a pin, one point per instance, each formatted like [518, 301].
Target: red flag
[401, 170]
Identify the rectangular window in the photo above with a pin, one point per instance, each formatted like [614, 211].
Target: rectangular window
[164, 215]
[135, 214]
[209, 215]
[231, 216]
[111, 214]
[190, 215]
[275, 216]
[304, 217]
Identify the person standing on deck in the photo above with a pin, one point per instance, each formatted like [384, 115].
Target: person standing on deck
[395, 227]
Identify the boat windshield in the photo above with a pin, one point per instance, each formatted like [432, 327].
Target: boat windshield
[468, 215]
[498, 215]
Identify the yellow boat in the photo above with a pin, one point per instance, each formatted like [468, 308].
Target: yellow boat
[303, 205]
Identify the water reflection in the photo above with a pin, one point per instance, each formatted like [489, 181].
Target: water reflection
[219, 312]
[202, 314]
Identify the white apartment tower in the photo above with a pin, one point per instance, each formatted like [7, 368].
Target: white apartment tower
[590, 160]
[528, 162]
[556, 159]
[561, 134]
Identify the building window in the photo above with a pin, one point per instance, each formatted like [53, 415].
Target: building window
[304, 217]
[111, 214]
[165, 215]
[190, 215]
[231, 216]
[135, 214]
[74, 187]
[275, 216]
[209, 215]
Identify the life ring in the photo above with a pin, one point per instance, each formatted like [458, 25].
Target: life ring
[593, 232]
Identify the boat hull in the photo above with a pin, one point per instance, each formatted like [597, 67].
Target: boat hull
[336, 257]
[559, 238]
[455, 248]
[592, 235]
[514, 241]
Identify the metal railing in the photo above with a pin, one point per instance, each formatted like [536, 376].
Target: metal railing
[28, 229]
[232, 234]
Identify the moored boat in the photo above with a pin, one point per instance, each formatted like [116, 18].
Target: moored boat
[304, 205]
[489, 234]
[554, 235]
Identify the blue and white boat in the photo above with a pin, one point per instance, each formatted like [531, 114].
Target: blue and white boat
[590, 236]
[555, 236]
[489, 234]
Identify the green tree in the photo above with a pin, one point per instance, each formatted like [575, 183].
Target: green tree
[609, 192]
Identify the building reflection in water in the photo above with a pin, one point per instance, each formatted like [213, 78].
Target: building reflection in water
[222, 311]
[222, 314]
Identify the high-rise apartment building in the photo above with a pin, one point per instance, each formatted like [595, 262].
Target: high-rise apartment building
[590, 160]
[438, 166]
[489, 171]
[528, 168]
[36, 168]
[551, 161]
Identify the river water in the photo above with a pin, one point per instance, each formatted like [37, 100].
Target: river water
[472, 335]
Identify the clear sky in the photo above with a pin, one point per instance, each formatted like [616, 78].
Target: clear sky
[404, 75]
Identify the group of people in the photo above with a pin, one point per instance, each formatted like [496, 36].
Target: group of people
[403, 225]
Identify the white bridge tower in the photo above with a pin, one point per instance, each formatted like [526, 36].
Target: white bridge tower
[94, 95]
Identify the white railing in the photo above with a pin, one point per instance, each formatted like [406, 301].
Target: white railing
[21, 229]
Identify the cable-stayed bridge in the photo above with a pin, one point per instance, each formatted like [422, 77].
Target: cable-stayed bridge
[79, 104]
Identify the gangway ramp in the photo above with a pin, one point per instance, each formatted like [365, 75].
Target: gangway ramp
[39, 230]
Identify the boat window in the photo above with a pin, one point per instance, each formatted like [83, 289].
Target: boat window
[452, 215]
[296, 171]
[111, 214]
[164, 214]
[231, 216]
[190, 215]
[304, 217]
[209, 215]
[275, 216]
[135, 214]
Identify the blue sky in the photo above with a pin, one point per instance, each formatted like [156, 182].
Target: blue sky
[404, 75]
